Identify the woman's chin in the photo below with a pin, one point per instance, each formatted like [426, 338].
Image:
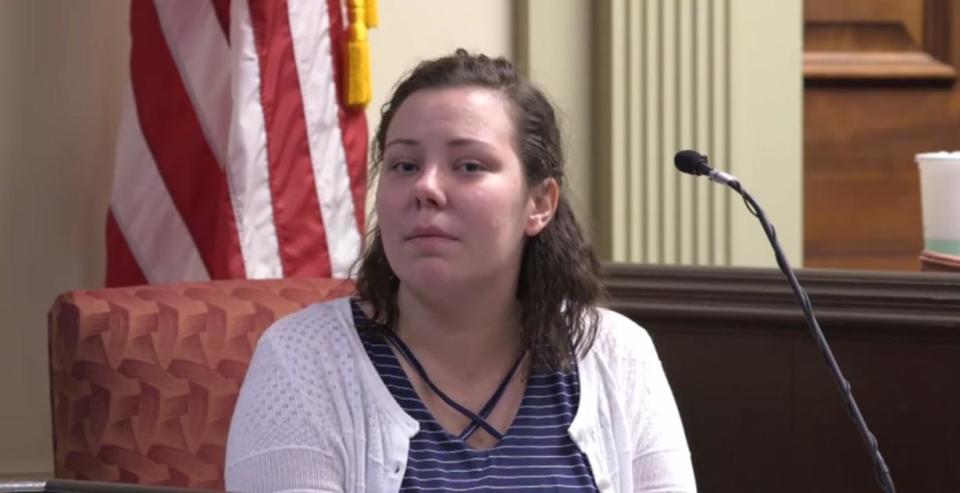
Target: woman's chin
[433, 277]
[437, 275]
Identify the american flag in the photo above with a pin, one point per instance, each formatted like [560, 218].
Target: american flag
[236, 157]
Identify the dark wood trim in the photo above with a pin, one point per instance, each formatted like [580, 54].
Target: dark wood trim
[936, 29]
[842, 66]
[900, 58]
[909, 303]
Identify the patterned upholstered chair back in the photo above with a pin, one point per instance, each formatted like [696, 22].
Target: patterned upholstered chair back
[144, 379]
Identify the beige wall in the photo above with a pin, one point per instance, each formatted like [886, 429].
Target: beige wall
[64, 64]
[766, 128]
[554, 48]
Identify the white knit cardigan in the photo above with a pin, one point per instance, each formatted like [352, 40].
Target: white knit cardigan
[313, 414]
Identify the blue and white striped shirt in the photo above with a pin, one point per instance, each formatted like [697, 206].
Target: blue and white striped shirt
[536, 452]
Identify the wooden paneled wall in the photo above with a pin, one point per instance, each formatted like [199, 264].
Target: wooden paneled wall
[759, 406]
[880, 86]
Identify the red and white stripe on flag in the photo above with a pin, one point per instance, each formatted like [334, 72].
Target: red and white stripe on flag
[236, 156]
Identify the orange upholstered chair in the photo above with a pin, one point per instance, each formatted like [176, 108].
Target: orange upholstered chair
[144, 379]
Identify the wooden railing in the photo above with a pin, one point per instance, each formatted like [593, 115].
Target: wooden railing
[760, 408]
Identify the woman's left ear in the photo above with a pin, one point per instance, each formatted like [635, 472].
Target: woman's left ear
[543, 201]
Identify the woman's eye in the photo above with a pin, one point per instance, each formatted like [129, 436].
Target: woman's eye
[471, 167]
[404, 166]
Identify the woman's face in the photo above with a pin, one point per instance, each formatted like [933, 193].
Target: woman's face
[453, 206]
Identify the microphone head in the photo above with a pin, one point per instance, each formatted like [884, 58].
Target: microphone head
[692, 162]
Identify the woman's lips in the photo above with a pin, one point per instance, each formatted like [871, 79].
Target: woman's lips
[429, 232]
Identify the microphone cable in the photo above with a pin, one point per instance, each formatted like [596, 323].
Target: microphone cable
[694, 163]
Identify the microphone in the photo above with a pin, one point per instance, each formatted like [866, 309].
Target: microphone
[694, 163]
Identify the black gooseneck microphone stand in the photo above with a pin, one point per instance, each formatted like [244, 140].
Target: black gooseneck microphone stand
[692, 162]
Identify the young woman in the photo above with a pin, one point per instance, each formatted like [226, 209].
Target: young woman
[473, 357]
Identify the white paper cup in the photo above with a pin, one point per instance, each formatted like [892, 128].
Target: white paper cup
[940, 198]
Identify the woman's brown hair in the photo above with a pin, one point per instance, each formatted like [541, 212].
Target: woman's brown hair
[559, 282]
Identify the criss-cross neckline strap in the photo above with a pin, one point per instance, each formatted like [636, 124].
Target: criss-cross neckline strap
[476, 421]
[494, 399]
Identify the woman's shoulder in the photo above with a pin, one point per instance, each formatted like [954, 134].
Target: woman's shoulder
[620, 338]
[321, 328]
[314, 354]
[287, 409]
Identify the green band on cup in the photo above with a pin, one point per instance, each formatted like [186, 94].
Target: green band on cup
[951, 247]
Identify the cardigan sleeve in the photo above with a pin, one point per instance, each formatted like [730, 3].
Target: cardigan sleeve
[660, 456]
[661, 459]
[272, 445]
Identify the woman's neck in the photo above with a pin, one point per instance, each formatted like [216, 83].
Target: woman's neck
[463, 334]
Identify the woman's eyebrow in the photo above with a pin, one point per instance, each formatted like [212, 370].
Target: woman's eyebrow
[406, 142]
[458, 142]
[466, 141]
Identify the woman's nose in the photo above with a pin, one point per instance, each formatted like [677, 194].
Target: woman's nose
[428, 188]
